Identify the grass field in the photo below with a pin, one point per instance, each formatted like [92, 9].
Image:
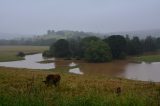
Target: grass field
[8, 53]
[147, 58]
[23, 87]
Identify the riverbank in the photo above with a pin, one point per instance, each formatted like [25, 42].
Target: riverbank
[147, 58]
[24, 87]
[9, 53]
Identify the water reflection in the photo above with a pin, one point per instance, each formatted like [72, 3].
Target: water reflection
[72, 64]
[75, 71]
[30, 62]
[143, 71]
[114, 68]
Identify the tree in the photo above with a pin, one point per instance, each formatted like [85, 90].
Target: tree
[47, 53]
[85, 43]
[118, 46]
[21, 54]
[97, 51]
[158, 42]
[74, 46]
[134, 46]
[60, 48]
[149, 44]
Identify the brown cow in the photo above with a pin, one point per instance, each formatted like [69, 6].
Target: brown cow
[52, 79]
[118, 91]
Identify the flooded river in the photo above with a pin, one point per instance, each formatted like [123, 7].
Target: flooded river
[123, 69]
[143, 71]
[30, 62]
[137, 71]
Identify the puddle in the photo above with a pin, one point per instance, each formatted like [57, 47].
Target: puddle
[72, 64]
[76, 71]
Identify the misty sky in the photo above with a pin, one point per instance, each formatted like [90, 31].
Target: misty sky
[37, 16]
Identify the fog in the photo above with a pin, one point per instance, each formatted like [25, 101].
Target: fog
[37, 16]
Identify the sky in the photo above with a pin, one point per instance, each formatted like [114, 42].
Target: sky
[101, 16]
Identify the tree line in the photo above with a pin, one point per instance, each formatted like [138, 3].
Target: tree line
[23, 41]
[94, 49]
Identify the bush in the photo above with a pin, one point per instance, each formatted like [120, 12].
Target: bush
[21, 54]
[47, 53]
[97, 51]
[60, 49]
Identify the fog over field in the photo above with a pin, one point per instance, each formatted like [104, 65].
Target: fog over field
[35, 17]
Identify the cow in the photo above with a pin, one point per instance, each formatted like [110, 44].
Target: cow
[52, 79]
[118, 91]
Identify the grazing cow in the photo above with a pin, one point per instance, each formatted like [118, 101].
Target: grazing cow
[118, 91]
[52, 79]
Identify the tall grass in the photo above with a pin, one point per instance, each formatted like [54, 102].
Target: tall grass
[25, 88]
[92, 99]
[89, 99]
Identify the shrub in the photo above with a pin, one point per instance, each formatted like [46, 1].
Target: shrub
[21, 54]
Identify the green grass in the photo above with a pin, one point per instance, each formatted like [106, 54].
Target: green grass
[9, 57]
[95, 99]
[147, 58]
[8, 53]
[24, 87]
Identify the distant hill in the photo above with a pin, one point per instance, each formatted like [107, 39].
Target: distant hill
[9, 36]
[65, 34]
[51, 36]
[141, 34]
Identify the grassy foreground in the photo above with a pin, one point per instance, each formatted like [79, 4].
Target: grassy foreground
[8, 53]
[23, 87]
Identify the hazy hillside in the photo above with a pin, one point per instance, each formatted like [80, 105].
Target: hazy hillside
[51, 34]
[71, 34]
[65, 34]
[141, 34]
[9, 36]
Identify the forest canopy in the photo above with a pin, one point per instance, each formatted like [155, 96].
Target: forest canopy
[95, 49]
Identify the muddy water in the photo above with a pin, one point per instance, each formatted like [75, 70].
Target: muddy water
[137, 71]
[143, 71]
[115, 68]
[124, 69]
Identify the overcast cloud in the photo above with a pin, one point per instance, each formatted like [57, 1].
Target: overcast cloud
[37, 16]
